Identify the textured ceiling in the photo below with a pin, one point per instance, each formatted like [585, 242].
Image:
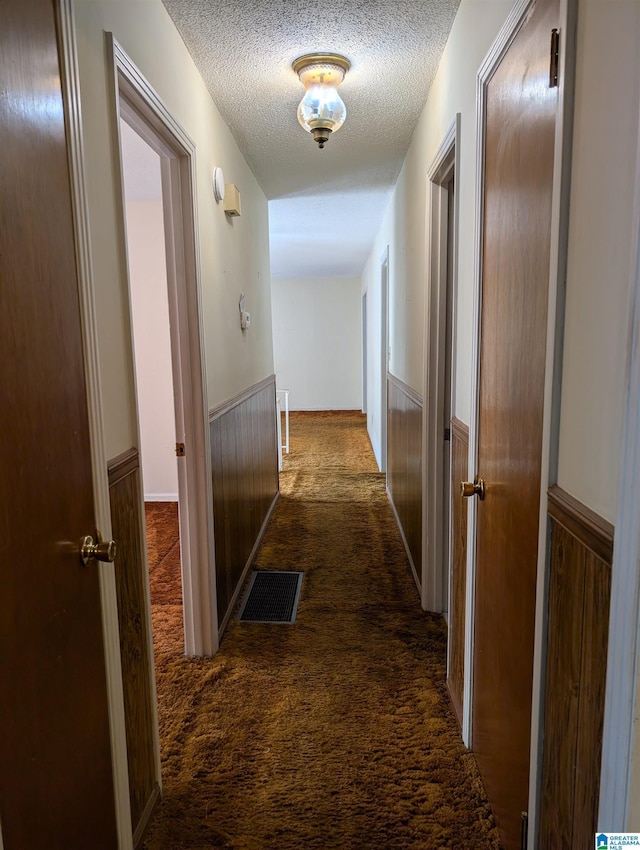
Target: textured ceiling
[325, 206]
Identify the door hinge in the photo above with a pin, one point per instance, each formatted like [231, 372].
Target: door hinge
[447, 435]
[524, 831]
[180, 450]
[555, 53]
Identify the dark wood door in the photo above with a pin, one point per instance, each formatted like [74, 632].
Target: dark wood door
[520, 132]
[56, 788]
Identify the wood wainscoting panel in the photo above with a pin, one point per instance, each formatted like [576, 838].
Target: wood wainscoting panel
[404, 466]
[132, 579]
[458, 549]
[578, 623]
[595, 635]
[244, 467]
[566, 604]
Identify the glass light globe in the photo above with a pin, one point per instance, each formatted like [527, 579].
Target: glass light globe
[322, 110]
[323, 107]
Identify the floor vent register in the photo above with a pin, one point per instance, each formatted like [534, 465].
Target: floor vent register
[271, 597]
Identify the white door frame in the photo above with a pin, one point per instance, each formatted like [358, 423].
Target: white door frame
[102, 506]
[365, 343]
[384, 355]
[136, 102]
[445, 163]
[624, 619]
[553, 367]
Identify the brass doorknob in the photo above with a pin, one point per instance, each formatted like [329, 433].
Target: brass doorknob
[473, 488]
[103, 550]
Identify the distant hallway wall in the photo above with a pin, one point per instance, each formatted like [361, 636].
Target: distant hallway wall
[317, 342]
[244, 468]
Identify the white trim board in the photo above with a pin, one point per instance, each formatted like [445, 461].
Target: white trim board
[385, 340]
[624, 617]
[557, 275]
[553, 384]
[160, 497]
[445, 163]
[102, 507]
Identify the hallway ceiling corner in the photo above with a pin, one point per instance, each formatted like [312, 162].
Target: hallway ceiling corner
[244, 52]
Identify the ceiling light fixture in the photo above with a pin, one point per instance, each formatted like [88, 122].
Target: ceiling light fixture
[322, 110]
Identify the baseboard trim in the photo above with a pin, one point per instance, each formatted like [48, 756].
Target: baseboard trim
[404, 540]
[145, 817]
[246, 394]
[247, 567]
[161, 497]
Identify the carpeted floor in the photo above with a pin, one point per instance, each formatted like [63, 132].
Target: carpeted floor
[335, 732]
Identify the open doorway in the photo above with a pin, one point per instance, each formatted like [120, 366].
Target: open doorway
[156, 402]
[445, 438]
[170, 259]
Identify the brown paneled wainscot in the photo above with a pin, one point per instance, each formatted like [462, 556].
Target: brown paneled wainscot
[404, 467]
[244, 468]
[132, 590]
[458, 549]
[581, 547]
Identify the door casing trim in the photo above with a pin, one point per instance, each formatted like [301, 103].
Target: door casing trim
[385, 340]
[445, 163]
[134, 95]
[89, 326]
[553, 361]
[624, 620]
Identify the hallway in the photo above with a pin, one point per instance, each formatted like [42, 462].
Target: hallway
[337, 731]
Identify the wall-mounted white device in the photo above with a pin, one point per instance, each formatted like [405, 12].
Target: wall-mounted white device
[218, 184]
[245, 318]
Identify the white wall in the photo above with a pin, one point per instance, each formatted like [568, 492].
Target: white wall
[233, 254]
[600, 251]
[404, 225]
[317, 342]
[152, 344]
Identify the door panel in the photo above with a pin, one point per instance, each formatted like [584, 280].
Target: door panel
[56, 788]
[520, 133]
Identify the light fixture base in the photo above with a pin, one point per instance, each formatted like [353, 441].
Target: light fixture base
[328, 68]
[321, 135]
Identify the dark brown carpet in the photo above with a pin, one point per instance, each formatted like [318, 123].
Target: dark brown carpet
[335, 732]
[163, 547]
